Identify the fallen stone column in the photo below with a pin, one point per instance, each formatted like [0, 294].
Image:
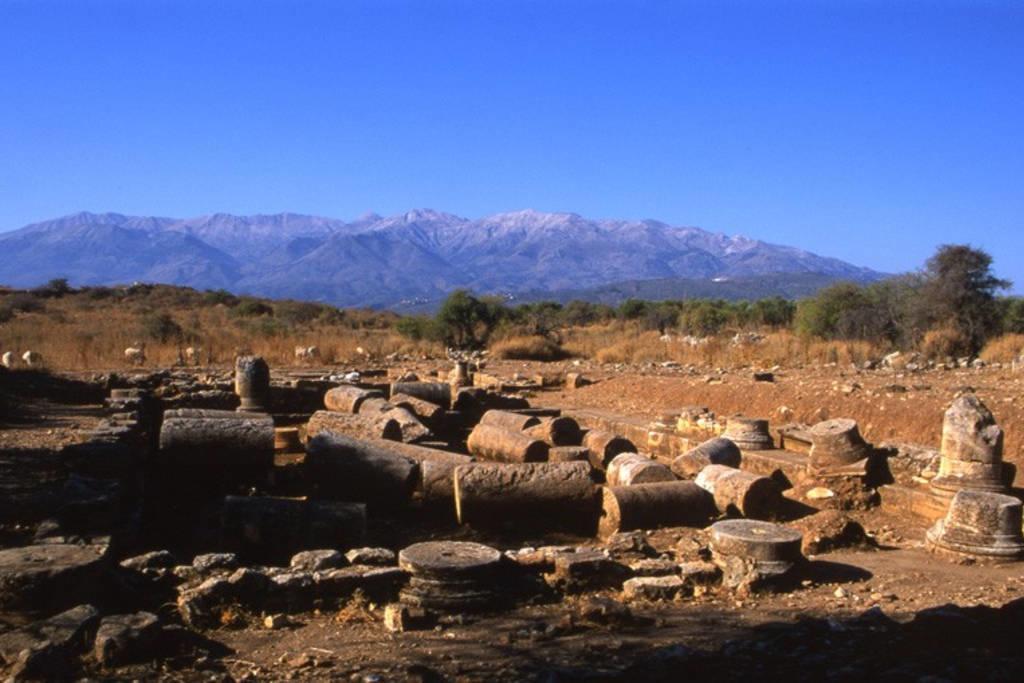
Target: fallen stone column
[569, 454]
[409, 426]
[557, 431]
[514, 422]
[358, 426]
[431, 414]
[216, 439]
[527, 496]
[742, 493]
[343, 468]
[717, 451]
[649, 506]
[604, 446]
[628, 469]
[439, 393]
[267, 529]
[503, 445]
[347, 399]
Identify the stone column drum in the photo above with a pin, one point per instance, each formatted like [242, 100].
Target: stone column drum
[836, 445]
[982, 525]
[750, 434]
[252, 383]
[972, 449]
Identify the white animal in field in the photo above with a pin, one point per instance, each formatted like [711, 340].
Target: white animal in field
[7, 360]
[193, 355]
[307, 353]
[136, 355]
[31, 358]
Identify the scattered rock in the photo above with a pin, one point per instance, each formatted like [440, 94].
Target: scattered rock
[317, 560]
[829, 530]
[123, 638]
[378, 557]
[158, 559]
[652, 588]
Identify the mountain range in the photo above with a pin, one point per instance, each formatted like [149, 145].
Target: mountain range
[410, 261]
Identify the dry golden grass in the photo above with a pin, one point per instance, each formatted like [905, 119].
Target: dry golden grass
[1004, 349]
[75, 333]
[528, 348]
[624, 343]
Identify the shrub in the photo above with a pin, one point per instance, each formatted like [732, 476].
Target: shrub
[251, 308]
[54, 289]
[532, 347]
[214, 297]
[945, 342]
[161, 327]
[1004, 349]
[24, 302]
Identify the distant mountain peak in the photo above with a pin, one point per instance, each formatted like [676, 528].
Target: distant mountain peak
[420, 255]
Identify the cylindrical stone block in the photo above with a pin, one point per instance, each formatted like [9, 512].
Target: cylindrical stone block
[836, 444]
[569, 454]
[252, 383]
[268, 529]
[439, 393]
[505, 419]
[980, 524]
[344, 468]
[557, 431]
[772, 548]
[629, 469]
[972, 449]
[216, 440]
[717, 451]
[347, 398]
[741, 493]
[494, 443]
[750, 434]
[540, 496]
[604, 446]
[677, 503]
[379, 426]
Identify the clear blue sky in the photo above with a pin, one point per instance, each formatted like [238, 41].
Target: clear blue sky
[870, 131]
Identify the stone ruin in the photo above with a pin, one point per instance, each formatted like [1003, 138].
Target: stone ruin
[279, 496]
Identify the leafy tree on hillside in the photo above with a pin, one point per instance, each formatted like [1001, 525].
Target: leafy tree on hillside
[959, 291]
[465, 321]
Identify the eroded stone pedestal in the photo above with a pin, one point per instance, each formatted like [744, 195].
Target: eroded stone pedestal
[982, 525]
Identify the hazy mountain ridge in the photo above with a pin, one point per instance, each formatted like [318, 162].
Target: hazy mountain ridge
[383, 261]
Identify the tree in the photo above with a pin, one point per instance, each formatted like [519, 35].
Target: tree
[466, 322]
[959, 292]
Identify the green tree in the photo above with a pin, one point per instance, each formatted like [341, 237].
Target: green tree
[465, 321]
[959, 292]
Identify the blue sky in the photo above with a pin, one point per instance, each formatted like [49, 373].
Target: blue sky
[870, 131]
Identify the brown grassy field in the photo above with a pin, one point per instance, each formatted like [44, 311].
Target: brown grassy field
[91, 328]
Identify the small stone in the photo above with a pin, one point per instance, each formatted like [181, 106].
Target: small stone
[380, 557]
[122, 638]
[819, 493]
[214, 561]
[317, 560]
[399, 618]
[275, 621]
[158, 559]
[652, 588]
[840, 592]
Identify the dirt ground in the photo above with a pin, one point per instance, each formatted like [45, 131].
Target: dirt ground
[891, 612]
